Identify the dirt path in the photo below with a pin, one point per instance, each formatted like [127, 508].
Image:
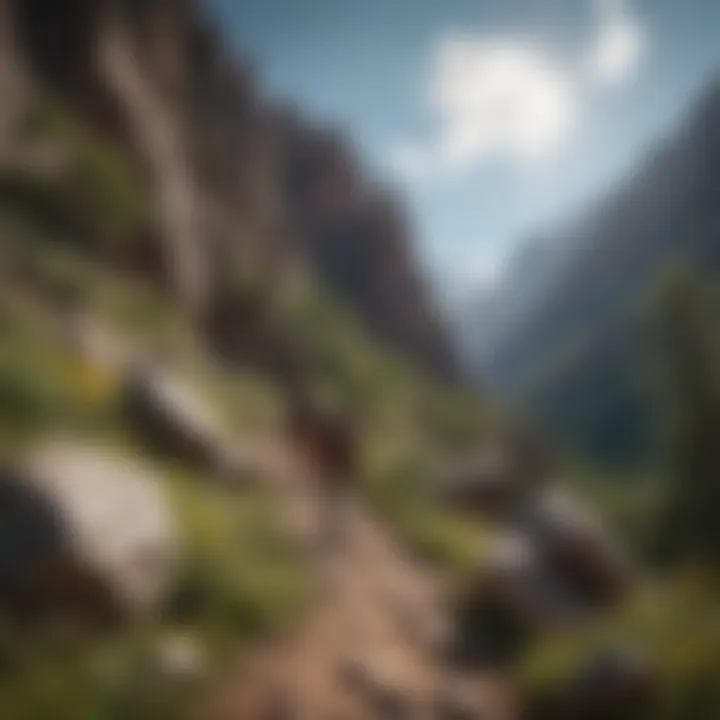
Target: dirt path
[369, 648]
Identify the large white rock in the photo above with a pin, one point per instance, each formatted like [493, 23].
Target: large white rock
[85, 526]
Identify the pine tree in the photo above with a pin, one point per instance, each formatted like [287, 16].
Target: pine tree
[689, 527]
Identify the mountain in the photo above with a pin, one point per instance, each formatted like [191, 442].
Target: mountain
[237, 179]
[568, 348]
[489, 318]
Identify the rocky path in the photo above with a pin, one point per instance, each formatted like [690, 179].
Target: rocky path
[369, 648]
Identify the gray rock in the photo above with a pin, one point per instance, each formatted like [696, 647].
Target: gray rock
[84, 529]
[179, 658]
[479, 486]
[556, 565]
[577, 547]
[168, 413]
[517, 580]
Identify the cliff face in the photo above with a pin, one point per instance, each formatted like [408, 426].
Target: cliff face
[235, 180]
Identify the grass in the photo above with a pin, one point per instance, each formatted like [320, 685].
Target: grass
[675, 623]
[240, 578]
[99, 197]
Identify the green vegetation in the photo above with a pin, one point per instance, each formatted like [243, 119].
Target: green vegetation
[239, 579]
[82, 187]
[689, 528]
[668, 515]
[674, 624]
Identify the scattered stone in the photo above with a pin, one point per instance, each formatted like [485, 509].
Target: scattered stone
[179, 658]
[555, 564]
[516, 591]
[618, 684]
[578, 548]
[236, 469]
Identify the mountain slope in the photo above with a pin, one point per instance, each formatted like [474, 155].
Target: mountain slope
[583, 317]
[236, 180]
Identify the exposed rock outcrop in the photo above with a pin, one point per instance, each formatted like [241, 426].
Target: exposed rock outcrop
[235, 180]
[169, 414]
[83, 529]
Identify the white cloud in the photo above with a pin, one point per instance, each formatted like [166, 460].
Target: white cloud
[492, 98]
[619, 44]
[507, 98]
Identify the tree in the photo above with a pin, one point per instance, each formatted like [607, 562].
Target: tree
[689, 527]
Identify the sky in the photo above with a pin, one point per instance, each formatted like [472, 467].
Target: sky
[500, 120]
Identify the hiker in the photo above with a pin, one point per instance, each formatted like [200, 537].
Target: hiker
[326, 442]
[323, 438]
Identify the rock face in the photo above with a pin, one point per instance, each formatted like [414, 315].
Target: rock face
[85, 530]
[360, 241]
[235, 180]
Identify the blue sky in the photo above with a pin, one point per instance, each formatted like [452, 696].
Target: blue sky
[498, 119]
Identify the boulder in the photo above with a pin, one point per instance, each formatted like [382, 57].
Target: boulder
[84, 529]
[555, 565]
[168, 413]
[481, 486]
[517, 578]
[618, 684]
[511, 595]
[577, 547]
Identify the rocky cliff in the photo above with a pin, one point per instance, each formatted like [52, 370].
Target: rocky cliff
[235, 180]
